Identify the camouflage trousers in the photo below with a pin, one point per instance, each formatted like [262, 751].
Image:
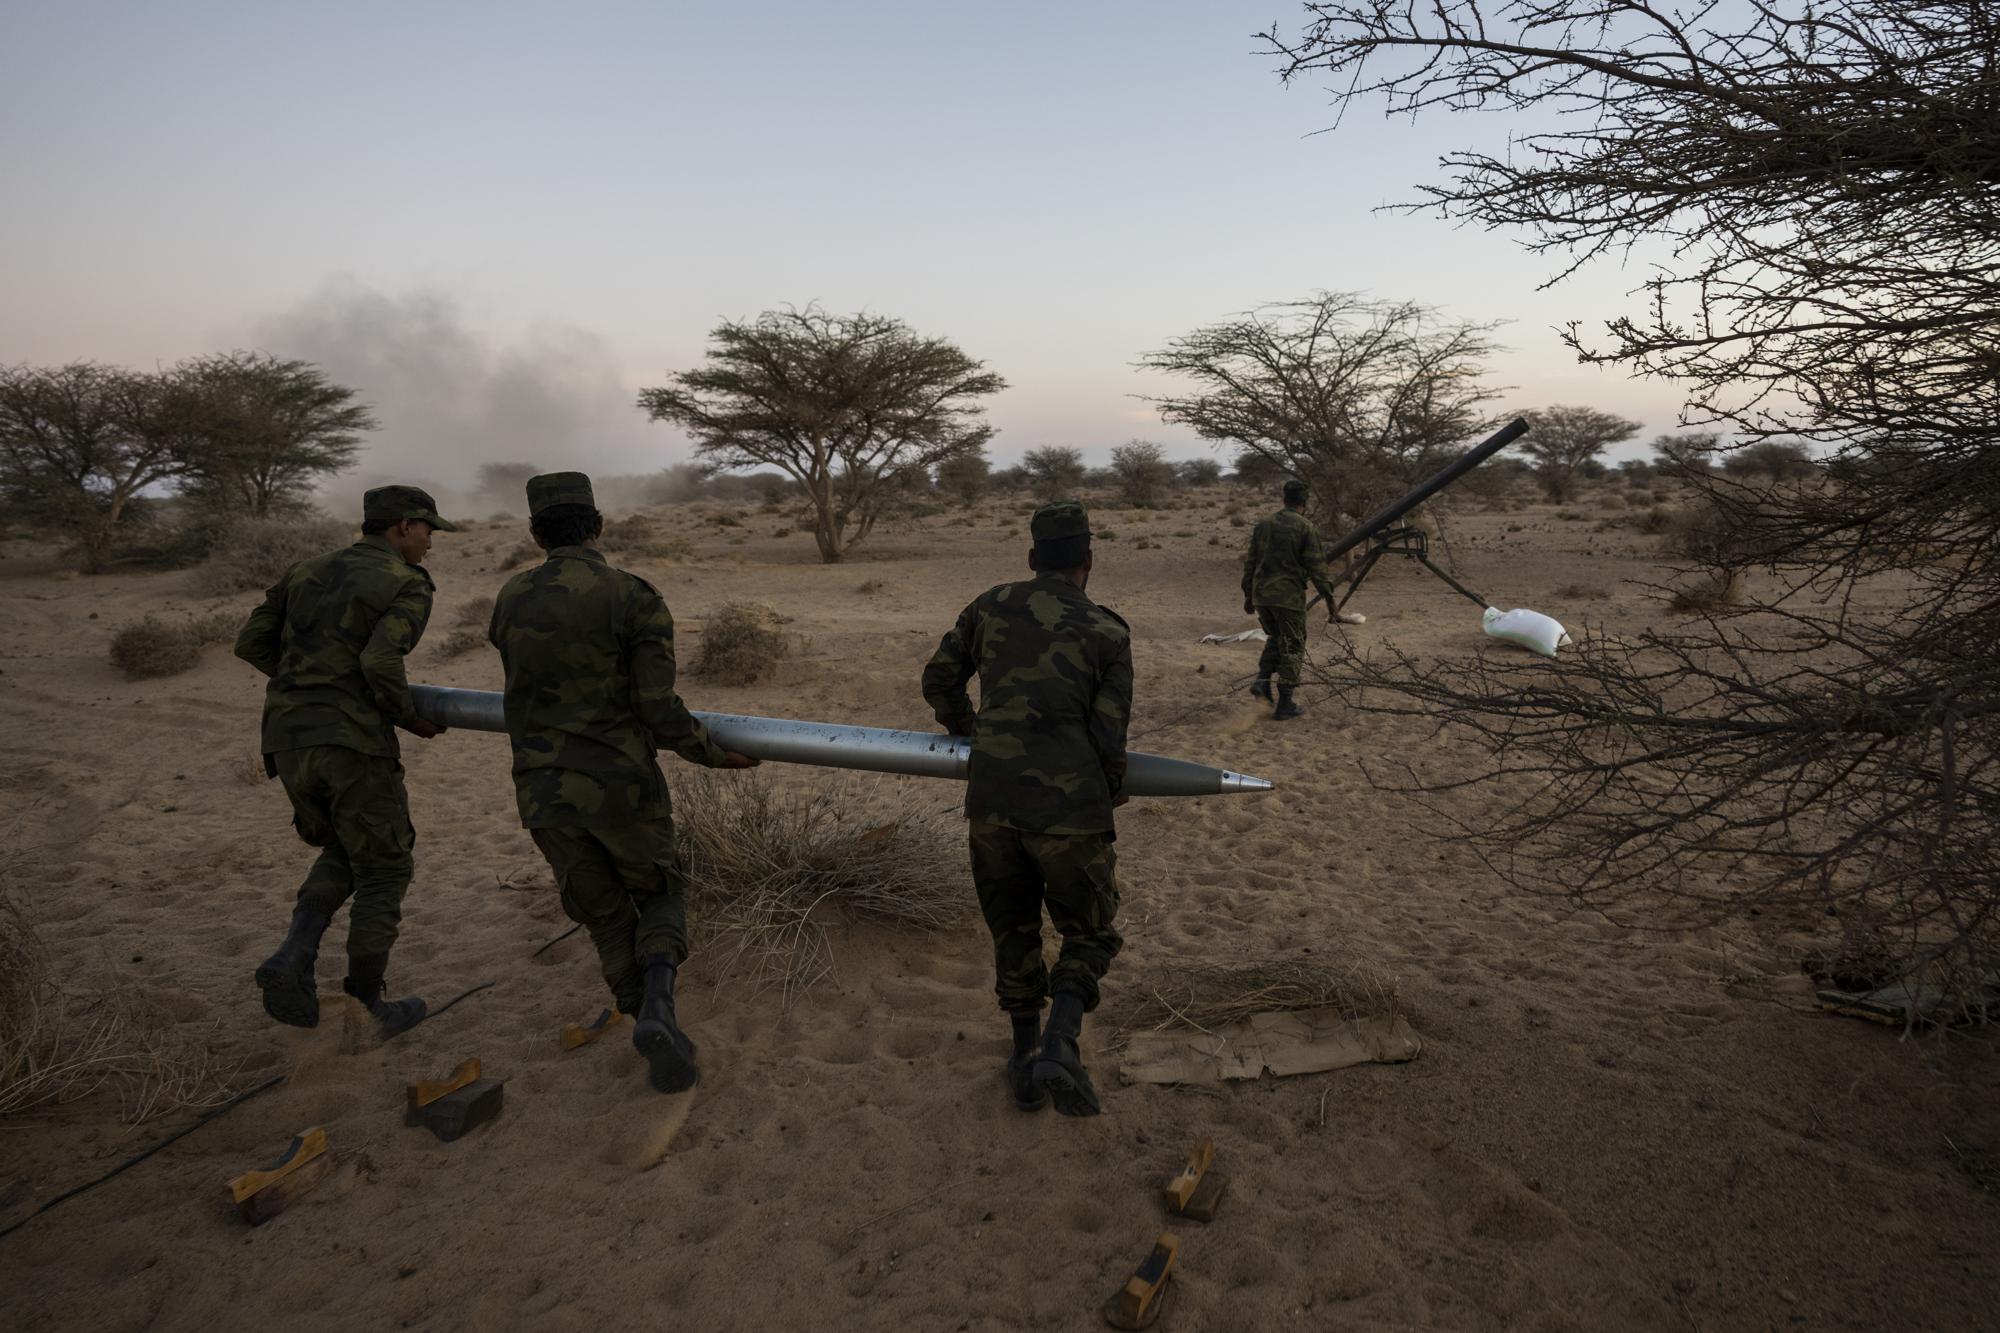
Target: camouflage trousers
[624, 884]
[1074, 876]
[354, 808]
[1285, 647]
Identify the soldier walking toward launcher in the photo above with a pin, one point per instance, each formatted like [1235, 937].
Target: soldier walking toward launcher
[331, 635]
[1048, 762]
[589, 655]
[1284, 554]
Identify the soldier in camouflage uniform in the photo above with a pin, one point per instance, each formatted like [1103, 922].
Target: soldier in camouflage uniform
[332, 635]
[589, 654]
[1048, 760]
[1284, 555]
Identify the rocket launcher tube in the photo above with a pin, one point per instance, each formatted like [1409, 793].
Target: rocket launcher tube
[836, 745]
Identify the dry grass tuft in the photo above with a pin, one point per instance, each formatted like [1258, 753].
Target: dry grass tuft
[1206, 996]
[767, 867]
[154, 648]
[251, 554]
[739, 642]
[476, 613]
[527, 553]
[58, 1047]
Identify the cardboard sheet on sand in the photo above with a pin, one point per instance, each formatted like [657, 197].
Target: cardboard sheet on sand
[1303, 1041]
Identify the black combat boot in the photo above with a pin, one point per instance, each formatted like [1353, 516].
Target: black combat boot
[1021, 1065]
[395, 1016]
[1059, 1068]
[657, 1037]
[291, 995]
[1262, 689]
[1286, 708]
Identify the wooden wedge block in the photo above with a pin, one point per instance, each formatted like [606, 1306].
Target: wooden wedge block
[577, 1034]
[463, 1110]
[419, 1095]
[1182, 1187]
[1207, 1196]
[260, 1196]
[1139, 1302]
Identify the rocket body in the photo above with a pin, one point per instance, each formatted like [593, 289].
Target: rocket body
[837, 745]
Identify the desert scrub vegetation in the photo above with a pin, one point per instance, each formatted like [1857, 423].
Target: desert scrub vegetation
[478, 611]
[767, 867]
[739, 642]
[1205, 996]
[59, 1046]
[459, 642]
[155, 647]
[527, 553]
[251, 554]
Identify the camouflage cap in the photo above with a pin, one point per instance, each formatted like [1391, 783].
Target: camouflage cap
[1059, 519]
[393, 504]
[559, 488]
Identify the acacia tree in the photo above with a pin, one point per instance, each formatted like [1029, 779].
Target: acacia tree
[79, 443]
[1564, 439]
[268, 428]
[851, 407]
[1359, 397]
[1143, 472]
[1054, 471]
[1823, 180]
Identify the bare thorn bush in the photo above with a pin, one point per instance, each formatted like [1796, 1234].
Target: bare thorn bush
[768, 868]
[154, 648]
[460, 642]
[251, 554]
[739, 643]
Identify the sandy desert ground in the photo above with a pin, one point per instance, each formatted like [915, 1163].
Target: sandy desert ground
[1608, 1128]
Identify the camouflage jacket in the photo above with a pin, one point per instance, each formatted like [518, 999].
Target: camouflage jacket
[589, 654]
[1284, 555]
[1055, 696]
[331, 635]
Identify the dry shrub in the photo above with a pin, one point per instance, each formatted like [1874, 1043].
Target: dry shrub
[766, 867]
[1202, 997]
[637, 538]
[478, 611]
[739, 642]
[1577, 592]
[154, 647]
[58, 1047]
[1707, 595]
[525, 554]
[251, 554]
[460, 642]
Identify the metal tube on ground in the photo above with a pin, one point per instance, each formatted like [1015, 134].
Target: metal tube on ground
[836, 745]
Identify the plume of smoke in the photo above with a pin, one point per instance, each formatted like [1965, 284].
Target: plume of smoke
[450, 396]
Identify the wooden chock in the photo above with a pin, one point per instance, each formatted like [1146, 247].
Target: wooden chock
[579, 1034]
[1182, 1187]
[1195, 1192]
[260, 1196]
[1139, 1302]
[463, 1110]
[419, 1095]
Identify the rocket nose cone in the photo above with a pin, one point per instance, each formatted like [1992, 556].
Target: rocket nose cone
[1238, 782]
